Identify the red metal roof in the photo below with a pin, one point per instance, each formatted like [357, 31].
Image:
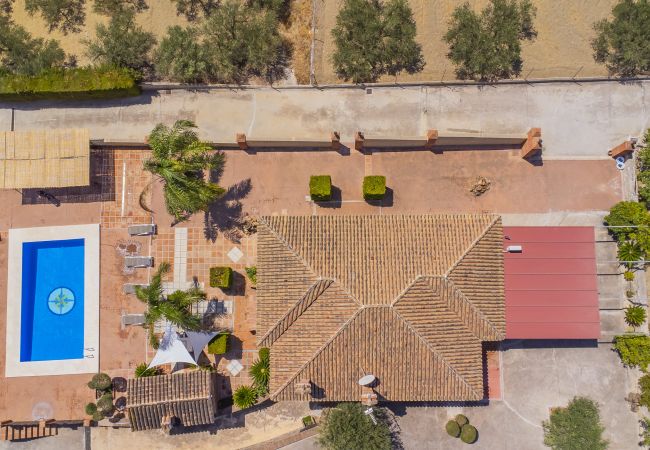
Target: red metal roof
[551, 286]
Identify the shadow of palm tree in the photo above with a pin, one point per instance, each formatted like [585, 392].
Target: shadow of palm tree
[225, 214]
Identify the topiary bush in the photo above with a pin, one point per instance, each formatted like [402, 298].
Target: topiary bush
[453, 429]
[634, 350]
[219, 344]
[90, 409]
[468, 434]
[101, 382]
[105, 404]
[461, 420]
[221, 277]
[245, 397]
[320, 188]
[374, 187]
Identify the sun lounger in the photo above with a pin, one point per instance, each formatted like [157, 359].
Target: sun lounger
[142, 230]
[132, 319]
[129, 288]
[138, 261]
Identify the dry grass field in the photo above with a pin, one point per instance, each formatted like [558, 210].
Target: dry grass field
[562, 47]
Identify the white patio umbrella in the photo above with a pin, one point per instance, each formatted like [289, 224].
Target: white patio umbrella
[171, 350]
[198, 340]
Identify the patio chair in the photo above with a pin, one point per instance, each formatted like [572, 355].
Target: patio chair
[142, 230]
[138, 261]
[132, 319]
[129, 288]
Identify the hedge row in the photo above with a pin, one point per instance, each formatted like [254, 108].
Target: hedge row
[71, 84]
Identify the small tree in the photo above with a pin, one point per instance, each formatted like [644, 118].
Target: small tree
[635, 315]
[182, 56]
[244, 397]
[179, 159]
[101, 382]
[24, 55]
[243, 42]
[111, 7]
[193, 9]
[487, 47]
[347, 427]
[575, 427]
[622, 42]
[402, 52]
[65, 15]
[122, 43]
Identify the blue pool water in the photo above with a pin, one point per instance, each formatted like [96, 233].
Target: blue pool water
[52, 308]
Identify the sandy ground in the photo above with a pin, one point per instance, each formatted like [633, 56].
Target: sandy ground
[565, 28]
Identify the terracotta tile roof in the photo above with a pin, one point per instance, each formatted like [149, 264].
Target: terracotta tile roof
[189, 396]
[409, 299]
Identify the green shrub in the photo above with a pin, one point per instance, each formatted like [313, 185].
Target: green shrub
[461, 420]
[221, 277]
[468, 434]
[629, 293]
[628, 275]
[98, 416]
[219, 344]
[575, 427]
[143, 371]
[374, 187]
[635, 315]
[70, 84]
[629, 252]
[105, 404]
[453, 429]
[264, 353]
[307, 421]
[320, 188]
[634, 350]
[100, 382]
[626, 215]
[91, 409]
[644, 387]
[347, 427]
[244, 397]
[251, 273]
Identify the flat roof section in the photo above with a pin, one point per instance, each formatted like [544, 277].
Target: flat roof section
[551, 287]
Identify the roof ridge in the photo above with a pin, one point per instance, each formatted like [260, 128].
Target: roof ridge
[487, 229]
[436, 353]
[309, 297]
[318, 352]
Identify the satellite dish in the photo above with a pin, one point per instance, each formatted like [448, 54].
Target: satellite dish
[366, 380]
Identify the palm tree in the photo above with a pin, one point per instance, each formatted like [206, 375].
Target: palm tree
[180, 159]
[174, 308]
[635, 315]
[629, 253]
[244, 396]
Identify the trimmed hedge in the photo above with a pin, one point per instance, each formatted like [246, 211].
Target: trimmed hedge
[83, 83]
[468, 434]
[219, 344]
[453, 429]
[374, 187]
[221, 277]
[320, 188]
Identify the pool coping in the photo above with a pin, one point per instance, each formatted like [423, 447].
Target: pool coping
[90, 363]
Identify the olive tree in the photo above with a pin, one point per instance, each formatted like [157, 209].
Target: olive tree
[182, 56]
[487, 46]
[22, 54]
[193, 9]
[65, 15]
[244, 41]
[575, 427]
[122, 43]
[347, 427]
[373, 39]
[110, 7]
[622, 43]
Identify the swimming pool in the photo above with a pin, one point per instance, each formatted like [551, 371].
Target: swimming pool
[52, 321]
[53, 300]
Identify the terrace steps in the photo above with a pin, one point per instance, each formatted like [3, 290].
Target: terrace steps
[17, 431]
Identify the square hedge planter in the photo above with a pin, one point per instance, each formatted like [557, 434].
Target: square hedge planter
[374, 187]
[221, 277]
[320, 188]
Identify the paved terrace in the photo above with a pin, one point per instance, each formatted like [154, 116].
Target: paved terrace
[577, 119]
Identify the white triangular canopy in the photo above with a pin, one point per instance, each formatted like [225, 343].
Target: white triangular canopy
[171, 351]
[198, 340]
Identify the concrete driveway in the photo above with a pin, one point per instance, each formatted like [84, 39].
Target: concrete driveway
[577, 119]
[534, 380]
